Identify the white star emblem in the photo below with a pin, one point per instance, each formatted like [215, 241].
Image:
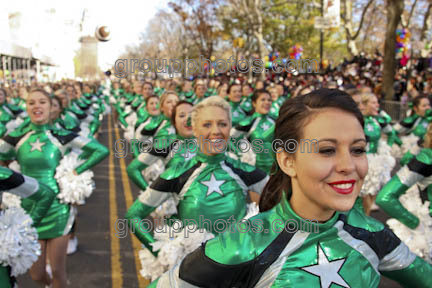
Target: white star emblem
[425, 124]
[213, 185]
[171, 130]
[236, 114]
[327, 271]
[37, 145]
[265, 126]
[247, 104]
[369, 127]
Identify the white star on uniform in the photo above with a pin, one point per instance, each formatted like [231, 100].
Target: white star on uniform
[37, 145]
[265, 126]
[328, 272]
[213, 185]
[171, 130]
[236, 114]
[370, 127]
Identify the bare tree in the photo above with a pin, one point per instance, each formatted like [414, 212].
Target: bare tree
[394, 12]
[348, 24]
[426, 21]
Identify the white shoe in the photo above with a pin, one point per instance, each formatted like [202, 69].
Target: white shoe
[72, 246]
[49, 271]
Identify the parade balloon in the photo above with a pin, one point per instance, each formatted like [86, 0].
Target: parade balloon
[102, 33]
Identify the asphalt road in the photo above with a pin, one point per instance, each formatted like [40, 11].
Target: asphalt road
[104, 259]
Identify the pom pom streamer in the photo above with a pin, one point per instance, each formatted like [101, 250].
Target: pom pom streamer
[19, 246]
[173, 245]
[418, 240]
[380, 166]
[74, 189]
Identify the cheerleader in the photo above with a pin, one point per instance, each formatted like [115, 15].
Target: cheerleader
[413, 128]
[208, 188]
[246, 103]
[10, 115]
[38, 149]
[199, 92]
[235, 97]
[344, 247]
[146, 127]
[253, 128]
[399, 198]
[33, 194]
[172, 154]
[380, 160]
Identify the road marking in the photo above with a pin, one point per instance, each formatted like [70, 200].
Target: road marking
[136, 244]
[116, 266]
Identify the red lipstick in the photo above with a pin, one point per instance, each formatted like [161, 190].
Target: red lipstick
[349, 189]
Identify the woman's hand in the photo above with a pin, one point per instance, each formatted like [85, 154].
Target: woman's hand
[75, 173]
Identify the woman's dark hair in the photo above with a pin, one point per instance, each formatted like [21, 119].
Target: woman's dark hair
[59, 102]
[147, 83]
[293, 116]
[174, 112]
[256, 95]
[151, 96]
[232, 85]
[417, 100]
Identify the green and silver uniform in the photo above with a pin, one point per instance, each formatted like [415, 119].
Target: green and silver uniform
[253, 128]
[418, 170]
[414, 124]
[39, 149]
[373, 126]
[246, 104]
[349, 250]
[31, 192]
[171, 154]
[147, 129]
[237, 113]
[208, 188]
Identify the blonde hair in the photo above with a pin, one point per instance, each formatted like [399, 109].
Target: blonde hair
[428, 137]
[165, 95]
[212, 101]
[366, 96]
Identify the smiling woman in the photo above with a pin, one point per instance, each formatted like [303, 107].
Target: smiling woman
[39, 148]
[350, 249]
[209, 186]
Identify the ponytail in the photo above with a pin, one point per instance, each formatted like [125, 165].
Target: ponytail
[272, 192]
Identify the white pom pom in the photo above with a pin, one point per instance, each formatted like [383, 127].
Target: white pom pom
[74, 189]
[131, 119]
[10, 200]
[409, 143]
[379, 173]
[173, 245]
[129, 133]
[19, 247]
[248, 157]
[152, 172]
[168, 208]
[418, 240]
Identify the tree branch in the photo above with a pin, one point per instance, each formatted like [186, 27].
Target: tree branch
[362, 19]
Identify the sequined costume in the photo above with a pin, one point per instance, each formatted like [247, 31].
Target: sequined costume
[39, 149]
[208, 188]
[31, 192]
[400, 201]
[179, 151]
[253, 129]
[349, 250]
